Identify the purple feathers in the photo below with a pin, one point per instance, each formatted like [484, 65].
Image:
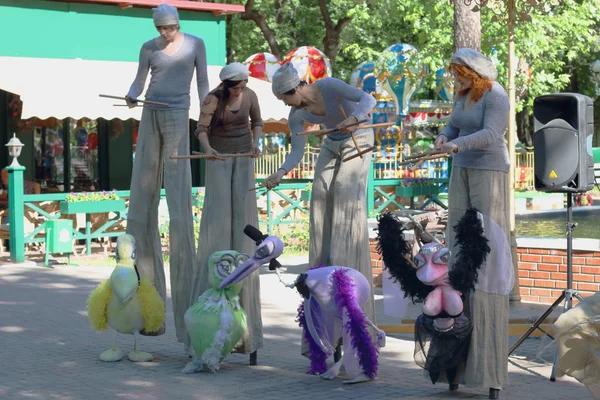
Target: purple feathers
[345, 297]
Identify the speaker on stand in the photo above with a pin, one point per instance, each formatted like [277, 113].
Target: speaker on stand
[563, 163]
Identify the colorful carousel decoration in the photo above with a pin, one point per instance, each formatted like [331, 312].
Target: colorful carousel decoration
[363, 78]
[401, 79]
[311, 63]
[399, 75]
[262, 66]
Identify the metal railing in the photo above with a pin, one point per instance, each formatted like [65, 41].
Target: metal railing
[524, 172]
[287, 204]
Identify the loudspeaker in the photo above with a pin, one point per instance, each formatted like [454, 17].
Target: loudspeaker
[562, 143]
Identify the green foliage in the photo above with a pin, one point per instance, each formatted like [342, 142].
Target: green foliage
[94, 196]
[557, 45]
[373, 214]
[296, 239]
[163, 228]
[410, 182]
[198, 200]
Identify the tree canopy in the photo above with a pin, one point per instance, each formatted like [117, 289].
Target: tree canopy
[554, 49]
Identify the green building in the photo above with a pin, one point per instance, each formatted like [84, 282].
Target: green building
[58, 56]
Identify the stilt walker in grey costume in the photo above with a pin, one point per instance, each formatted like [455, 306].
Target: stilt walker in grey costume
[171, 59]
[338, 207]
[230, 123]
[480, 167]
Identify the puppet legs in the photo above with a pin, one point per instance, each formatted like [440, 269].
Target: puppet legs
[136, 355]
[114, 353]
[334, 371]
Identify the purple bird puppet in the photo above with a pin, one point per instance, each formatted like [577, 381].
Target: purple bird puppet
[331, 311]
[442, 331]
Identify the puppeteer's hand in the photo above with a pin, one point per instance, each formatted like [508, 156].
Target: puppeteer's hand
[448, 148]
[255, 151]
[348, 121]
[213, 154]
[441, 139]
[274, 179]
[131, 103]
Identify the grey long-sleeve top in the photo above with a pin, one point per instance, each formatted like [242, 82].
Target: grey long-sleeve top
[335, 92]
[171, 76]
[479, 131]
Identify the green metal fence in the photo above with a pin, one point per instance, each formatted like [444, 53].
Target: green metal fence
[291, 198]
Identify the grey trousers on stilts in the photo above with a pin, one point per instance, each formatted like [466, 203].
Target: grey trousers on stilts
[164, 133]
[339, 232]
[228, 208]
[487, 362]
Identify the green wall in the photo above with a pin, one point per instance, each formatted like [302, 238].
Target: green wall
[49, 29]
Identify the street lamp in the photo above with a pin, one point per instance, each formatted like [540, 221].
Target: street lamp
[16, 211]
[14, 149]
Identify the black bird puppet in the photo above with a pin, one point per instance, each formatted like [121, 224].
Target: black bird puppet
[443, 330]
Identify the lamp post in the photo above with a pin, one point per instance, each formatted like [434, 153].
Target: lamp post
[16, 208]
[513, 11]
[14, 149]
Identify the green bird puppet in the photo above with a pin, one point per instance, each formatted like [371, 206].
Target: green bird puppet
[216, 322]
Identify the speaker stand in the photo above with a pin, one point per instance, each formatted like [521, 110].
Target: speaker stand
[567, 295]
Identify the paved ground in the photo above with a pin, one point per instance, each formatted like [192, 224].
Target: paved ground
[48, 351]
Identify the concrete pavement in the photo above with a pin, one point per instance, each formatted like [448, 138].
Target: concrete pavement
[49, 351]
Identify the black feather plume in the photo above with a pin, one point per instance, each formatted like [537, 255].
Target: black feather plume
[394, 250]
[472, 254]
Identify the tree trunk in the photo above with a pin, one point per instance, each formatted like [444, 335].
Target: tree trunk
[228, 38]
[525, 127]
[252, 15]
[467, 26]
[331, 41]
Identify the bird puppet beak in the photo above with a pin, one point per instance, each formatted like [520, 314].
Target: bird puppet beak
[269, 249]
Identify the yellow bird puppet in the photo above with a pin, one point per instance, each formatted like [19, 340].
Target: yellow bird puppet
[126, 303]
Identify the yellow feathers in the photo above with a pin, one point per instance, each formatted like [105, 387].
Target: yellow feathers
[153, 308]
[97, 303]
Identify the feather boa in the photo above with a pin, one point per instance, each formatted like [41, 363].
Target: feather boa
[223, 303]
[214, 354]
[357, 323]
[474, 248]
[394, 251]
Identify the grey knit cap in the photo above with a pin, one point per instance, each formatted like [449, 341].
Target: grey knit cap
[234, 72]
[165, 15]
[476, 61]
[285, 79]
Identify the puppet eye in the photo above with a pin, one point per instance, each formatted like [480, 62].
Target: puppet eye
[419, 261]
[225, 266]
[265, 249]
[442, 256]
[241, 258]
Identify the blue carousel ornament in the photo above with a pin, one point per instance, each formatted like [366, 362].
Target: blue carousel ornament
[444, 84]
[398, 78]
[363, 77]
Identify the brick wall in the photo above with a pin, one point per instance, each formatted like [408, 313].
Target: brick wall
[542, 272]
[376, 262]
